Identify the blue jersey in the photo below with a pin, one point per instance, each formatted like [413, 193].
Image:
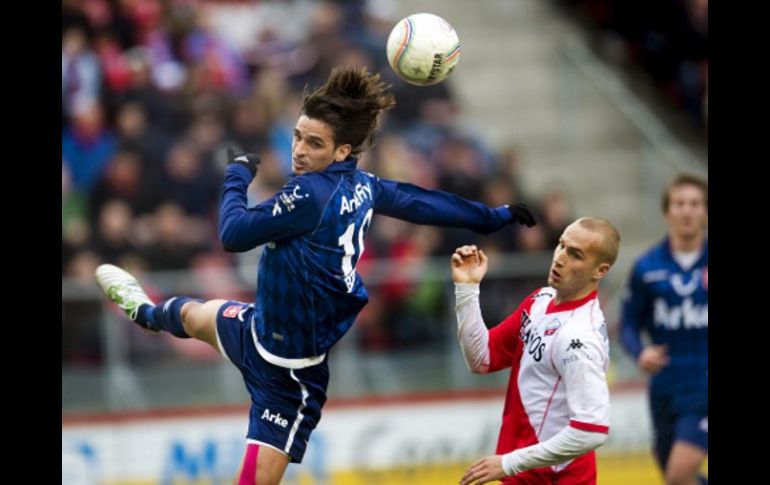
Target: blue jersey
[308, 292]
[671, 305]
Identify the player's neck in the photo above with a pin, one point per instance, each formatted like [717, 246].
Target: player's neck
[686, 244]
[561, 298]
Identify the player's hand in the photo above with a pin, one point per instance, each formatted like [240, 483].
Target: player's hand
[485, 470]
[248, 160]
[653, 358]
[469, 265]
[520, 213]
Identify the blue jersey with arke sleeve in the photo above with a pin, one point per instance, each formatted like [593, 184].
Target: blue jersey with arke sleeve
[308, 292]
[670, 303]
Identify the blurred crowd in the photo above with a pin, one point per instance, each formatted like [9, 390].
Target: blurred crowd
[667, 39]
[154, 91]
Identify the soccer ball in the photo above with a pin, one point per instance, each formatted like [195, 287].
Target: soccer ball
[423, 49]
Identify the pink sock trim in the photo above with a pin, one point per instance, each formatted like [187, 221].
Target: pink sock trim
[249, 470]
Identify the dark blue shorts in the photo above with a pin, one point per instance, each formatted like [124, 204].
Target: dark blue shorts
[285, 403]
[682, 416]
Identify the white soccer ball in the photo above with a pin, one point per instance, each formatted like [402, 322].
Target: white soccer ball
[423, 49]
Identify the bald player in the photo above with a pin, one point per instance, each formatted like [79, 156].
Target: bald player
[555, 343]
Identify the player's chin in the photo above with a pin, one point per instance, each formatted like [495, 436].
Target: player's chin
[553, 283]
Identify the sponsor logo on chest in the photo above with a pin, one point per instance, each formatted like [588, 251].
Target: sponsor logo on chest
[534, 337]
[361, 194]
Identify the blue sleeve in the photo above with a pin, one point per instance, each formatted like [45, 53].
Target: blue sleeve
[292, 211]
[436, 208]
[632, 316]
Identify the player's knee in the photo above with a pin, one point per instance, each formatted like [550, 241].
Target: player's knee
[677, 475]
[189, 316]
[198, 318]
[683, 464]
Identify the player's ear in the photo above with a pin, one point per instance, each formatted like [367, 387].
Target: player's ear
[601, 271]
[342, 152]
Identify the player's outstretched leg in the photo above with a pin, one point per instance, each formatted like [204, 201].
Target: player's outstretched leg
[121, 287]
[180, 316]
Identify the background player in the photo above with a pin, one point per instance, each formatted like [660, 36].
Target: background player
[667, 298]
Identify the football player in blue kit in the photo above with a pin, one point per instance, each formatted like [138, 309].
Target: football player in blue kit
[308, 291]
[667, 298]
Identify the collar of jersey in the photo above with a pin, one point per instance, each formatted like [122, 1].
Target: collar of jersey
[704, 254]
[347, 165]
[570, 305]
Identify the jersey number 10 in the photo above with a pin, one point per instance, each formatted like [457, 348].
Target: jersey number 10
[346, 241]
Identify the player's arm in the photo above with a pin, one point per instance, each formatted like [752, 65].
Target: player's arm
[633, 310]
[438, 208]
[566, 445]
[581, 362]
[292, 211]
[484, 351]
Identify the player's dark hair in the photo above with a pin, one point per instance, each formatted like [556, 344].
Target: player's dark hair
[350, 103]
[685, 179]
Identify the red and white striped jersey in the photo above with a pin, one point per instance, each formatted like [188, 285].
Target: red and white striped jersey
[558, 355]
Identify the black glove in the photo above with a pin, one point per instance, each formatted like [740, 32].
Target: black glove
[521, 214]
[248, 160]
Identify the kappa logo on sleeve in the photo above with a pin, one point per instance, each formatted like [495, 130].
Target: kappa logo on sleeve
[575, 344]
[232, 311]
